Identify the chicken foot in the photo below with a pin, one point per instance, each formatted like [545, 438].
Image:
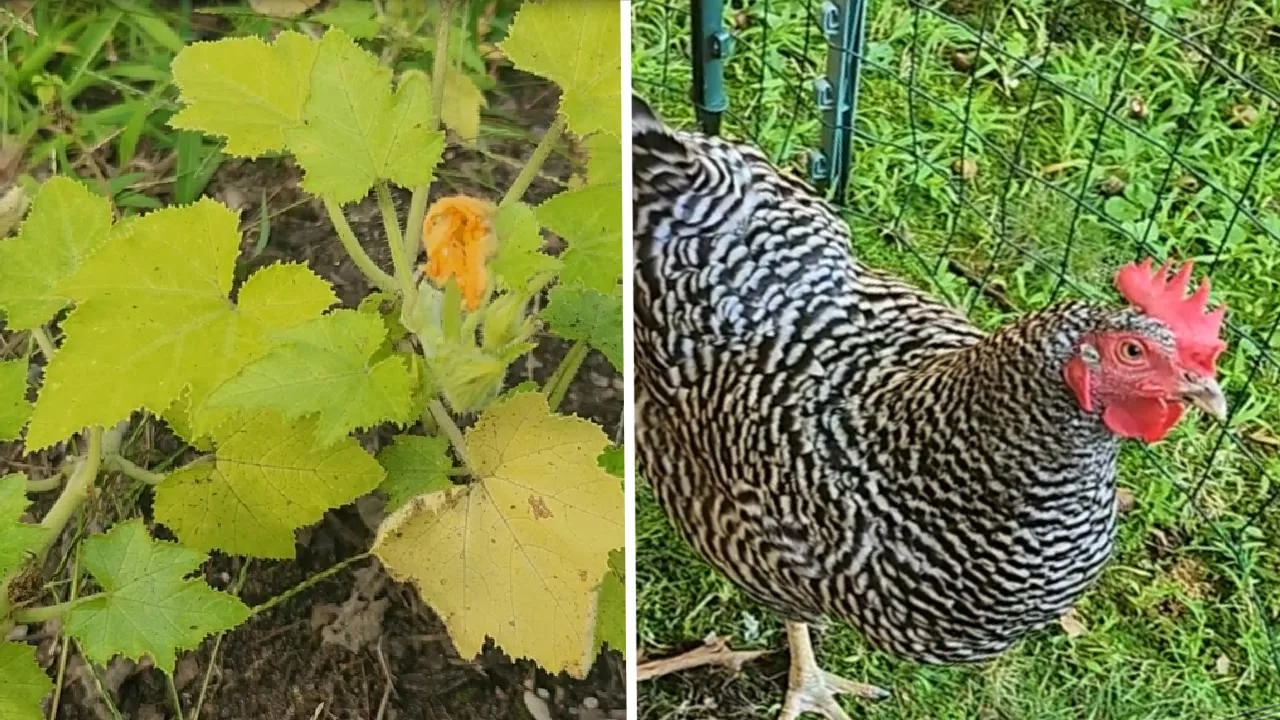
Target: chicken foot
[810, 689]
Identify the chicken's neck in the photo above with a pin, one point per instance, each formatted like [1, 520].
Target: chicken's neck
[1008, 391]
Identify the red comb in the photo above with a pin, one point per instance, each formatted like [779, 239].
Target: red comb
[1164, 298]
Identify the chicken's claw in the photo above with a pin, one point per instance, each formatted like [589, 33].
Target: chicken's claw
[813, 690]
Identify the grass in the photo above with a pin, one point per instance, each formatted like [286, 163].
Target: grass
[1180, 625]
[86, 92]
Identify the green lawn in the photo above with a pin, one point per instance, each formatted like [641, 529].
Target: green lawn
[1178, 626]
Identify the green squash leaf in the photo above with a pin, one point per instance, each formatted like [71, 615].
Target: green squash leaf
[590, 221]
[17, 539]
[148, 606]
[266, 480]
[153, 318]
[244, 90]
[67, 224]
[415, 465]
[357, 132]
[14, 408]
[519, 263]
[577, 45]
[576, 313]
[325, 367]
[24, 686]
[611, 606]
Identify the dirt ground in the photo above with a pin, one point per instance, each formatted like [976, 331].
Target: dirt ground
[357, 645]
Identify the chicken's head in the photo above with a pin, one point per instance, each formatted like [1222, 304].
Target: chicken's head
[1140, 376]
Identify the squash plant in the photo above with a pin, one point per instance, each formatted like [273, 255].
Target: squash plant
[511, 529]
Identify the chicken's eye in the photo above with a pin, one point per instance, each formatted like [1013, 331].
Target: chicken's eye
[1130, 351]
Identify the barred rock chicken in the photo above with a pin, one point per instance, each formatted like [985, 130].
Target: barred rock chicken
[842, 446]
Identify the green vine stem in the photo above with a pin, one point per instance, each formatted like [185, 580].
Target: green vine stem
[53, 482]
[174, 700]
[450, 429]
[362, 260]
[395, 241]
[534, 166]
[131, 470]
[236, 588]
[413, 225]
[65, 651]
[418, 201]
[75, 493]
[440, 61]
[558, 383]
[308, 583]
[36, 615]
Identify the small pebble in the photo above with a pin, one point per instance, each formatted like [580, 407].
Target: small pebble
[536, 705]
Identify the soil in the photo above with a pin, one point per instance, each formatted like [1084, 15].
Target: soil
[356, 645]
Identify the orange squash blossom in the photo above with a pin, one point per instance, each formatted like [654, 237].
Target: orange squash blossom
[457, 234]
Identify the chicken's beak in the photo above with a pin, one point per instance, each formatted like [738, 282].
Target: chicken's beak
[1204, 393]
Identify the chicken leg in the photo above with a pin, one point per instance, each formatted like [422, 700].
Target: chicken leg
[814, 690]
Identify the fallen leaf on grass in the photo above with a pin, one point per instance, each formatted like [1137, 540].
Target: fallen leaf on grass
[282, 8]
[356, 624]
[1262, 436]
[1072, 624]
[1124, 499]
[1054, 168]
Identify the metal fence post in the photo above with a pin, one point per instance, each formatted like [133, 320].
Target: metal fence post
[836, 94]
[712, 44]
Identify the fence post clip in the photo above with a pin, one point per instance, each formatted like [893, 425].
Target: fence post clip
[843, 24]
[712, 45]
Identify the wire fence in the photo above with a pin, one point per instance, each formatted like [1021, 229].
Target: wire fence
[1008, 153]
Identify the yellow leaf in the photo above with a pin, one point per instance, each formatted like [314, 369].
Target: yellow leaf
[518, 554]
[462, 103]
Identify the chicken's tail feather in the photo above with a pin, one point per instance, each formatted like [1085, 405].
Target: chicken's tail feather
[652, 141]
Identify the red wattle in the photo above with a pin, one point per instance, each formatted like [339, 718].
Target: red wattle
[1147, 419]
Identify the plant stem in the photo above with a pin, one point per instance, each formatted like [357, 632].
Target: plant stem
[362, 260]
[395, 240]
[560, 380]
[113, 439]
[443, 419]
[217, 643]
[440, 62]
[52, 482]
[173, 695]
[418, 201]
[413, 224]
[41, 336]
[132, 470]
[33, 615]
[309, 582]
[540, 154]
[99, 687]
[75, 492]
[66, 641]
